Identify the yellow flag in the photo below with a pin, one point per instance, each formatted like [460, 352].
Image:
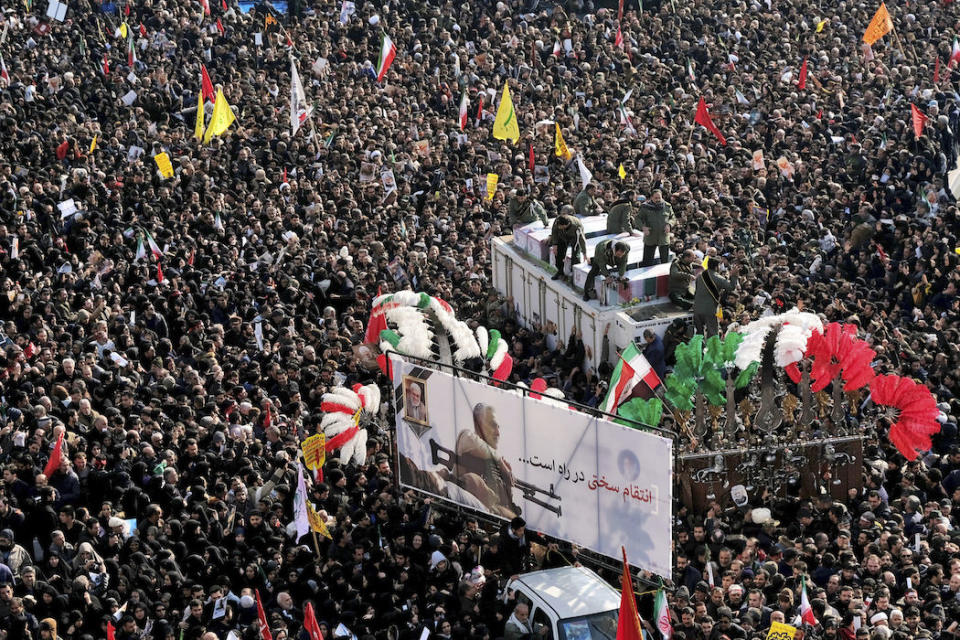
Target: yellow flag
[505, 127]
[622, 172]
[123, 30]
[163, 163]
[880, 26]
[562, 150]
[821, 25]
[221, 119]
[492, 180]
[93, 145]
[198, 128]
[706, 261]
[316, 522]
[780, 631]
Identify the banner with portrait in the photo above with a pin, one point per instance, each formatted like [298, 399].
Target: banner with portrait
[569, 474]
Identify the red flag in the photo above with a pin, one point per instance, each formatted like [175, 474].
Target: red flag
[936, 71]
[919, 120]
[143, 31]
[531, 157]
[703, 118]
[220, 27]
[206, 7]
[802, 82]
[284, 175]
[106, 65]
[159, 273]
[206, 86]
[819, 114]
[193, 254]
[30, 351]
[262, 618]
[223, 3]
[268, 416]
[111, 631]
[480, 109]
[126, 9]
[618, 41]
[310, 623]
[628, 624]
[620, 11]
[62, 150]
[55, 457]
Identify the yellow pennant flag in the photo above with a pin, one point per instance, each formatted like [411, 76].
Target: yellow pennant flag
[221, 119]
[562, 150]
[314, 451]
[821, 25]
[316, 522]
[780, 631]
[880, 26]
[622, 172]
[93, 145]
[123, 30]
[163, 163]
[492, 180]
[198, 128]
[506, 127]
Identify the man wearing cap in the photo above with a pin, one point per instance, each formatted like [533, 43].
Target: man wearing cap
[608, 254]
[567, 233]
[524, 209]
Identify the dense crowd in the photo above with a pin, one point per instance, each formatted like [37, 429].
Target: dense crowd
[184, 381]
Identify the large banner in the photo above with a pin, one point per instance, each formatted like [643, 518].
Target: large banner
[570, 475]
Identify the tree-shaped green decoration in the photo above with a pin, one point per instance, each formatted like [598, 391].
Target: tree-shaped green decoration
[700, 369]
[640, 410]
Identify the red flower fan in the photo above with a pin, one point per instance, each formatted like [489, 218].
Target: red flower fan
[838, 351]
[917, 418]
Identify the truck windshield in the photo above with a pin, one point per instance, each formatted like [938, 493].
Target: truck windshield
[598, 626]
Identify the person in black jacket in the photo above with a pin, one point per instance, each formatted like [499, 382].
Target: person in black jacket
[514, 546]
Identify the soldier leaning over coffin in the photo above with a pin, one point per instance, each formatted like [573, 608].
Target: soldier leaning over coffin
[524, 209]
[622, 218]
[567, 232]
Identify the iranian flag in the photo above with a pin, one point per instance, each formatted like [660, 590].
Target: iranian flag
[661, 614]
[955, 53]
[557, 49]
[806, 612]
[154, 247]
[3, 71]
[388, 51]
[631, 369]
[464, 102]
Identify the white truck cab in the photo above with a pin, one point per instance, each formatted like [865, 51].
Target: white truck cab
[573, 603]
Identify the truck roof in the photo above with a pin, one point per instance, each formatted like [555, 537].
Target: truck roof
[572, 591]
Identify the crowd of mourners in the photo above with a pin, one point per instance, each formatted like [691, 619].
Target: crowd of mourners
[183, 381]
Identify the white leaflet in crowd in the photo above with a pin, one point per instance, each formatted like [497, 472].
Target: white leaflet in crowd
[469, 184]
[258, 334]
[57, 10]
[233, 635]
[131, 78]
[67, 208]
[119, 613]
[133, 317]
[128, 233]
[119, 359]
[258, 39]
[567, 45]
[220, 282]
[916, 544]
[342, 632]
[219, 608]
[425, 634]
[66, 267]
[15, 248]
[129, 98]
[134, 152]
